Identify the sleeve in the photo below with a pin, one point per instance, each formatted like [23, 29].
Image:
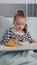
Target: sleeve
[29, 38]
[6, 36]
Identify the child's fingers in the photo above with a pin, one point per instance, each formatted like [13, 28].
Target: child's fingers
[15, 40]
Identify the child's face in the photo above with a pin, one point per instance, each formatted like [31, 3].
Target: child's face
[19, 23]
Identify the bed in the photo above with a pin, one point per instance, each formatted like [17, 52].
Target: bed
[25, 55]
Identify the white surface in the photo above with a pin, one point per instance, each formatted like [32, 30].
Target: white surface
[17, 1]
[19, 48]
[12, 1]
[30, 1]
[36, 1]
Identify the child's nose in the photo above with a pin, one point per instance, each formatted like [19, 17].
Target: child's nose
[20, 26]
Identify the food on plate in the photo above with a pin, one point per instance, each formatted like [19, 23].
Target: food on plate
[10, 43]
[24, 40]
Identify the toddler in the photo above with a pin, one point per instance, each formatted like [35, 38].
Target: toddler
[19, 32]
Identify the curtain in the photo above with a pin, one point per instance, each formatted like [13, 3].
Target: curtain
[31, 10]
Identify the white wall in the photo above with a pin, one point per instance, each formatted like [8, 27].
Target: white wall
[12, 1]
[17, 1]
[30, 1]
[36, 1]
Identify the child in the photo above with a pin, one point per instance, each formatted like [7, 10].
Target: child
[19, 32]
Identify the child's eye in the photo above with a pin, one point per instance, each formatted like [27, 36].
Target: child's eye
[22, 24]
[17, 24]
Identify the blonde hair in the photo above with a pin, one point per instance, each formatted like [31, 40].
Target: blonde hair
[20, 13]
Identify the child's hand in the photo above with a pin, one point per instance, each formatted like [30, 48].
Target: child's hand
[15, 40]
[34, 41]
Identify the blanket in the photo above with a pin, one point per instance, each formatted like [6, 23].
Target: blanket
[27, 57]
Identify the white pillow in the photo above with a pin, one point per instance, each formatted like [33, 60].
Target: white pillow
[32, 26]
[5, 23]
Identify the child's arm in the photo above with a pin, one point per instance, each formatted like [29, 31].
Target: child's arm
[7, 36]
[30, 38]
[33, 41]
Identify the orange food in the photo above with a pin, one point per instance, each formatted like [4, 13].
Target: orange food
[10, 43]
